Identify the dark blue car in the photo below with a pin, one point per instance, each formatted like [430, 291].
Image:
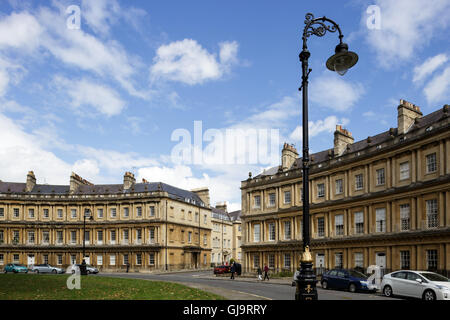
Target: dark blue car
[350, 280]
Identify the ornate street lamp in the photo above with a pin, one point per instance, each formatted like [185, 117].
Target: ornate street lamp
[87, 214]
[340, 62]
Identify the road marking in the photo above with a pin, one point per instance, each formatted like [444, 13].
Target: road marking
[252, 294]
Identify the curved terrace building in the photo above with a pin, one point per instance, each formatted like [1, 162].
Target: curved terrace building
[146, 225]
[384, 201]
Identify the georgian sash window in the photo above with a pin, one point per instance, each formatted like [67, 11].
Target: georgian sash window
[287, 197]
[359, 182]
[405, 260]
[380, 215]
[432, 259]
[432, 213]
[31, 238]
[339, 186]
[320, 190]
[287, 230]
[257, 201]
[271, 199]
[152, 235]
[431, 163]
[338, 260]
[359, 260]
[339, 224]
[404, 170]
[359, 222]
[380, 177]
[257, 233]
[59, 237]
[404, 217]
[272, 231]
[320, 227]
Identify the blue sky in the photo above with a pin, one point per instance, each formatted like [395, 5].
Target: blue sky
[106, 98]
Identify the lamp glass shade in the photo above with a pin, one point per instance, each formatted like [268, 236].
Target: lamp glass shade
[342, 61]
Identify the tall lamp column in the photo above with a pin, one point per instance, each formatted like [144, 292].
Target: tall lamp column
[340, 62]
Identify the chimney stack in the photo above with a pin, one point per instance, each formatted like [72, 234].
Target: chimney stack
[203, 194]
[128, 180]
[222, 206]
[288, 156]
[407, 114]
[342, 139]
[76, 181]
[31, 181]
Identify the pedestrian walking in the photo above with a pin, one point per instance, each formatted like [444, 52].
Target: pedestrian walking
[259, 273]
[266, 272]
[128, 267]
[233, 270]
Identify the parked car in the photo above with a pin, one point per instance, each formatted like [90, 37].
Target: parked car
[90, 269]
[351, 280]
[46, 268]
[222, 269]
[424, 285]
[15, 267]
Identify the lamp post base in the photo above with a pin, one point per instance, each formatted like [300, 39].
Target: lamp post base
[306, 282]
[83, 269]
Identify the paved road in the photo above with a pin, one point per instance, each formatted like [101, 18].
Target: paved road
[245, 290]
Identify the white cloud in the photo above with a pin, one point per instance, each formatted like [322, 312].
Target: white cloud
[228, 52]
[438, 89]
[222, 187]
[406, 27]
[332, 92]
[369, 114]
[429, 66]
[88, 93]
[188, 62]
[20, 30]
[115, 161]
[272, 116]
[100, 14]
[21, 152]
[45, 29]
[327, 125]
[9, 73]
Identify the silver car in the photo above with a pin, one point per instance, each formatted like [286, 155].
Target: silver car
[76, 268]
[424, 285]
[46, 268]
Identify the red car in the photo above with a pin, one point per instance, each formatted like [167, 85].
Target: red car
[222, 269]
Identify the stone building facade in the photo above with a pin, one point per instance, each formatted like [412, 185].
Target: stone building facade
[384, 201]
[225, 236]
[150, 226]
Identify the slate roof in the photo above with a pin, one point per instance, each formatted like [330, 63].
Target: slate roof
[174, 192]
[378, 139]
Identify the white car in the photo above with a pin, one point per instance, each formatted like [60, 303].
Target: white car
[424, 285]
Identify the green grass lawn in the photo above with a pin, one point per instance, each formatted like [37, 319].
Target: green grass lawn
[53, 287]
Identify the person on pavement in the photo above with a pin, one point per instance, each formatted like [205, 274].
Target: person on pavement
[233, 270]
[266, 272]
[259, 273]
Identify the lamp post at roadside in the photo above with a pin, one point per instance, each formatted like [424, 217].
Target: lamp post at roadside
[87, 214]
[340, 62]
